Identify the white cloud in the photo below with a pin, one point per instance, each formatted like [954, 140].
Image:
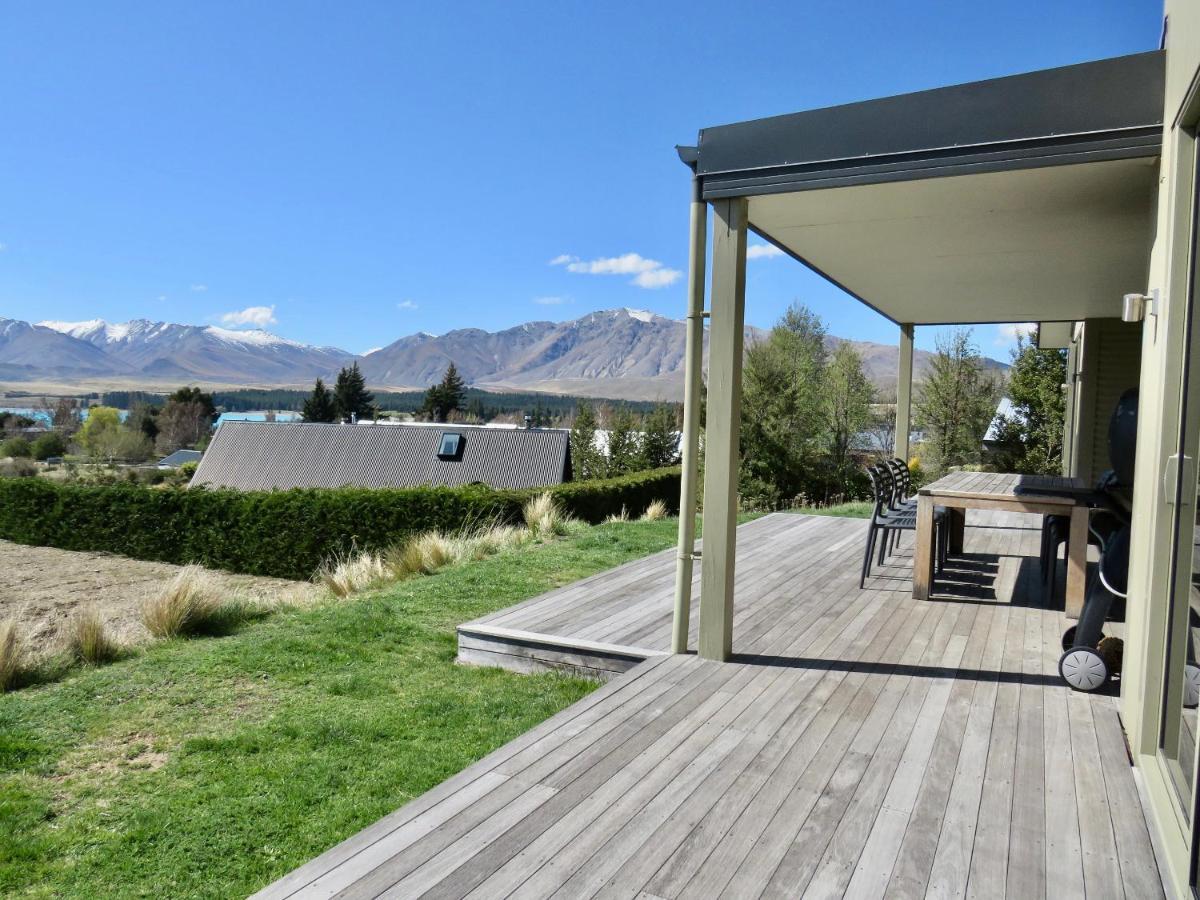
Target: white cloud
[258, 316]
[407, 304]
[647, 273]
[763, 251]
[550, 301]
[1007, 334]
[657, 278]
[199, 288]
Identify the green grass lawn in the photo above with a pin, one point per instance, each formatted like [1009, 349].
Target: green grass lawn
[860, 509]
[210, 767]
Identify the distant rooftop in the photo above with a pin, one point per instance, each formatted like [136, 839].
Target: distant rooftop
[282, 455]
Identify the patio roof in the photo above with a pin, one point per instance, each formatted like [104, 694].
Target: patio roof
[1022, 198]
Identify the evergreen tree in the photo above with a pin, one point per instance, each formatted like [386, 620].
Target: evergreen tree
[445, 397]
[660, 438]
[624, 444]
[195, 395]
[956, 402]
[783, 416]
[1031, 439]
[848, 396]
[319, 405]
[586, 460]
[350, 394]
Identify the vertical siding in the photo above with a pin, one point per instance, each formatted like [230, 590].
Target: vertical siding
[1112, 361]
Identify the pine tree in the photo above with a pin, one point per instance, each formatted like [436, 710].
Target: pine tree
[848, 396]
[319, 405]
[350, 394]
[624, 445]
[1031, 439]
[660, 438]
[448, 396]
[956, 402]
[586, 460]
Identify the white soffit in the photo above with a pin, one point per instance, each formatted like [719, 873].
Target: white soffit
[1059, 242]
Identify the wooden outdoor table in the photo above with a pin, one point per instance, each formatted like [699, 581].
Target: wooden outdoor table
[960, 491]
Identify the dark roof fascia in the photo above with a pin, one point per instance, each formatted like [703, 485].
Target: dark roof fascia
[1108, 109]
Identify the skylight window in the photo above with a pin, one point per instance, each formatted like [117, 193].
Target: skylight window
[451, 446]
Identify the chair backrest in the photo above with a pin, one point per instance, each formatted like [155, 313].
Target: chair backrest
[879, 489]
[905, 476]
[900, 480]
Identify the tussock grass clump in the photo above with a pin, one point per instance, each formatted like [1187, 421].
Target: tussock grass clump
[348, 575]
[191, 604]
[544, 517]
[622, 516]
[655, 511]
[432, 551]
[495, 538]
[436, 550]
[12, 654]
[87, 639]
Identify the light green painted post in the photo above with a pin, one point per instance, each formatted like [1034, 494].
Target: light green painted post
[723, 427]
[690, 441]
[904, 376]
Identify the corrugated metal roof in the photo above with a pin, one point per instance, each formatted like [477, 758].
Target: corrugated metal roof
[179, 457]
[267, 455]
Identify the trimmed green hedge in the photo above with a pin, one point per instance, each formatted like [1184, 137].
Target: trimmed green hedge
[287, 534]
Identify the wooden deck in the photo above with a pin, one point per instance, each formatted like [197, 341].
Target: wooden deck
[862, 744]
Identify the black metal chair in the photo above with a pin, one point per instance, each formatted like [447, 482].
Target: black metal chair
[890, 520]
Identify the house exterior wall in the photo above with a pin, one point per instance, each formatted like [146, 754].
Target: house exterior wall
[1103, 361]
[1163, 341]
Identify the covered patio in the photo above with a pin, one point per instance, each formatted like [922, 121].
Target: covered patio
[861, 743]
[1021, 199]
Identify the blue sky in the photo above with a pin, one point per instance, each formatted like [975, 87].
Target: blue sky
[354, 172]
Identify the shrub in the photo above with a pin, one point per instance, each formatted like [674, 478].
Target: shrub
[12, 654]
[17, 448]
[288, 534]
[190, 604]
[18, 467]
[49, 444]
[87, 639]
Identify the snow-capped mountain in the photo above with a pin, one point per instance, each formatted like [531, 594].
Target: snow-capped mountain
[610, 353]
[202, 352]
[610, 344]
[29, 351]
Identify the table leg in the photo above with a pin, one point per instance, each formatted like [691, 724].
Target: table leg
[1077, 562]
[923, 553]
[958, 528]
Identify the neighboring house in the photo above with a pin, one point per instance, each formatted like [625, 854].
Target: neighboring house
[178, 458]
[270, 455]
[1004, 410]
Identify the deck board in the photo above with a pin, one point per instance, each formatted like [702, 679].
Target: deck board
[860, 744]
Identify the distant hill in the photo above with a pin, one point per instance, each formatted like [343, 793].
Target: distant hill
[625, 353]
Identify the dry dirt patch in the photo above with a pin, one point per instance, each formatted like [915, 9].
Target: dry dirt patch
[43, 587]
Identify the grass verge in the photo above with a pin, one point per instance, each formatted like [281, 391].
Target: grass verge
[855, 510]
[211, 767]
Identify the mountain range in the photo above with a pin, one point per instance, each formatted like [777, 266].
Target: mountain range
[610, 353]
